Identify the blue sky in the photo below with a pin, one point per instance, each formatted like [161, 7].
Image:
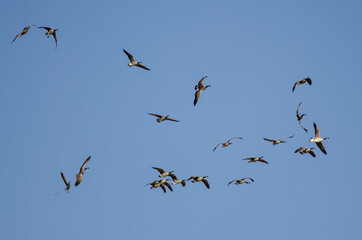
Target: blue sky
[58, 106]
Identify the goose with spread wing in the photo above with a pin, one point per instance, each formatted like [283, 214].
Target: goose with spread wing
[304, 80]
[134, 62]
[200, 179]
[241, 181]
[303, 150]
[256, 159]
[317, 139]
[67, 184]
[25, 30]
[79, 176]
[161, 118]
[200, 87]
[176, 180]
[275, 142]
[51, 31]
[162, 172]
[300, 117]
[228, 143]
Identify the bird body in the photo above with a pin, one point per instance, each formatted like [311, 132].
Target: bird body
[161, 118]
[276, 142]
[51, 31]
[241, 181]
[23, 32]
[226, 144]
[317, 139]
[304, 80]
[256, 159]
[300, 117]
[200, 179]
[79, 176]
[133, 62]
[199, 87]
[303, 150]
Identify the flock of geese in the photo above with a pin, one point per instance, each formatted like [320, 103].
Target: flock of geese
[163, 182]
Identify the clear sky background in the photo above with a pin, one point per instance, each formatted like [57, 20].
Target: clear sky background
[58, 106]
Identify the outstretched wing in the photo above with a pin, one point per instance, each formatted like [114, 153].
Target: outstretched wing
[200, 83]
[171, 119]
[216, 147]
[47, 28]
[286, 138]
[130, 57]
[55, 38]
[85, 162]
[64, 179]
[142, 66]
[312, 153]
[298, 108]
[306, 130]
[262, 160]
[197, 96]
[234, 138]
[156, 115]
[248, 178]
[206, 183]
[16, 37]
[316, 131]
[321, 147]
[159, 169]
[231, 182]
[269, 140]
[309, 80]
[163, 188]
[173, 176]
[169, 186]
[295, 85]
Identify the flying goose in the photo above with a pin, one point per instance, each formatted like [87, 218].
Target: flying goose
[303, 150]
[160, 183]
[200, 87]
[25, 30]
[161, 118]
[300, 117]
[302, 82]
[228, 143]
[66, 183]
[176, 180]
[51, 31]
[256, 159]
[162, 172]
[241, 181]
[275, 142]
[317, 139]
[79, 176]
[134, 62]
[200, 179]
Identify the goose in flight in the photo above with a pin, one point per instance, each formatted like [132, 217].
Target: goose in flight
[79, 176]
[275, 142]
[304, 80]
[303, 150]
[200, 179]
[161, 118]
[51, 31]
[241, 181]
[134, 62]
[160, 183]
[300, 117]
[317, 139]
[67, 184]
[162, 172]
[228, 143]
[176, 180]
[25, 30]
[256, 159]
[200, 87]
